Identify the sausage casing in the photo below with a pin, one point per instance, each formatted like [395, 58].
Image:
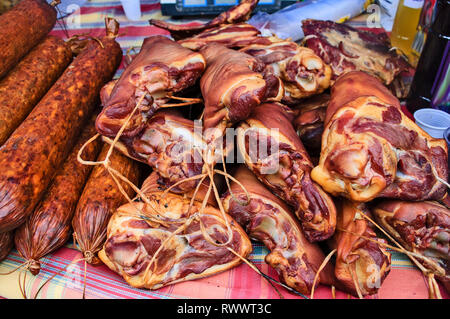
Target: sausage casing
[49, 226]
[31, 155]
[29, 80]
[23, 27]
[99, 200]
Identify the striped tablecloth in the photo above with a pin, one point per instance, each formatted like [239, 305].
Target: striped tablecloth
[404, 280]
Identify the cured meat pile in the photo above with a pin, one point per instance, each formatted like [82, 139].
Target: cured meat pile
[322, 166]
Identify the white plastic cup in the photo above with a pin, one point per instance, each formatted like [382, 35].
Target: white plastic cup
[433, 121]
[132, 9]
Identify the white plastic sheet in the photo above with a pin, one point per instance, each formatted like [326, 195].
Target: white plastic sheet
[286, 23]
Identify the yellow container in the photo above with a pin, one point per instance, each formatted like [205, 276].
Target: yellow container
[405, 27]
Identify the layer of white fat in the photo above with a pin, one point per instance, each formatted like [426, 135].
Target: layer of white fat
[256, 80]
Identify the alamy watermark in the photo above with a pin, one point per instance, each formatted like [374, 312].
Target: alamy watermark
[374, 18]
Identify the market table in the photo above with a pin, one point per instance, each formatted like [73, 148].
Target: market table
[404, 280]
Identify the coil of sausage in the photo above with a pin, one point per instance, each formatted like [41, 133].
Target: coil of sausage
[29, 80]
[422, 228]
[49, 226]
[6, 244]
[37, 147]
[23, 27]
[99, 200]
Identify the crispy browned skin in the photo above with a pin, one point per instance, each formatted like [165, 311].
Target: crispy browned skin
[230, 35]
[370, 148]
[100, 199]
[38, 146]
[285, 167]
[162, 67]
[137, 231]
[423, 228]
[29, 80]
[236, 14]
[360, 258]
[49, 226]
[270, 220]
[23, 27]
[6, 244]
[232, 86]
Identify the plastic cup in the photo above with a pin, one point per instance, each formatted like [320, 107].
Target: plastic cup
[432, 121]
[132, 9]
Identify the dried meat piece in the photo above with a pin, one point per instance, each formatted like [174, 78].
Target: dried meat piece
[236, 14]
[309, 122]
[232, 85]
[361, 256]
[268, 219]
[348, 49]
[370, 148]
[168, 144]
[140, 232]
[161, 68]
[271, 148]
[230, 35]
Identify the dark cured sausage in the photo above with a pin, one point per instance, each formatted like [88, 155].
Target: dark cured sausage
[29, 80]
[6, 244]
[49, 226]
[100, 199]
[36, 149]
[23, 27]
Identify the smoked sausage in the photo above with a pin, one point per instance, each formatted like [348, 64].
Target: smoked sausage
[29, 80]
[31, 155]
[23, 27]
[49, 226]
[99, 200]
